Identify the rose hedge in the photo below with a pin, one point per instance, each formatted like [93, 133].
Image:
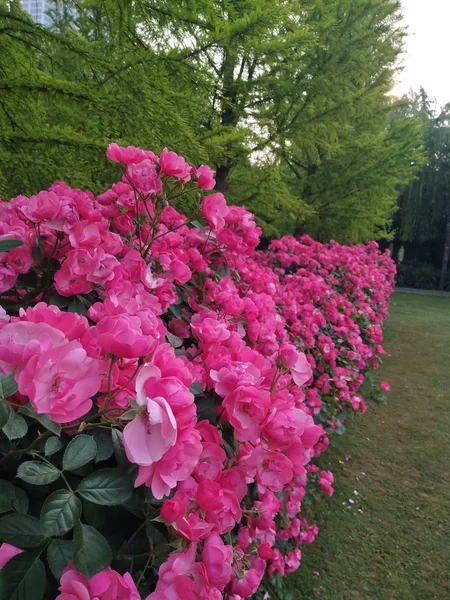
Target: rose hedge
[164, 387]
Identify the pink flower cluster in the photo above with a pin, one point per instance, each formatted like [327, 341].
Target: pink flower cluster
[225, 367]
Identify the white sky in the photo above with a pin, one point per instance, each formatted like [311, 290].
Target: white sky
[427, 57]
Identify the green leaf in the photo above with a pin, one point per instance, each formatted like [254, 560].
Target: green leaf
[58, 555]
[5, 411]
[77, 306]
[196, 388]
[21, 502]
[44, 420]
[91, 552]
[8, 385]
[23, 531]
[59, 301]
[105, 447]
[52, 445]
[37, 472]
[119, 449]
[60, 512]
[16, 426]
[174, 340]
[6, 245]
[23, 578]
[80, 450]
[107, 487]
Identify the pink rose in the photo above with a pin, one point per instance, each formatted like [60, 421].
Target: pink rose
[207, 328]
[174, 165]
[205, 177]
[45, 205]
[106, 585]
[246, 409]
[218, 559]
[121, 335]
[7, 551]
[385, 386]
[61, 381]
[144, 177]
[71, 324]
[214, 209]
[19, 341]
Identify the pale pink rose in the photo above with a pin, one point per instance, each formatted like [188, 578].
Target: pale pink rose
[7, 551]
[205, 177]
[61, 382]
[217, 558]
[246, 410]
[296, 362]
[151, 433]
[19, 341]
[45, 205]
[214, 209]
[106, 585]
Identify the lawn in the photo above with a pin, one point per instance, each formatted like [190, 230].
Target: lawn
[393, 542]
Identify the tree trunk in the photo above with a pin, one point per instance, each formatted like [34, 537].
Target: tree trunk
[228, 116]
[446, 253]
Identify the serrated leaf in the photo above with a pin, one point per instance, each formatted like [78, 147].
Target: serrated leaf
[119, 449]
[104, 443]
[52, 445]
[60, 511]
[91, 552]
[129, 415]
[37, 472]
[80, 450]
[44, 420]
[6, 245]
[23, 578]
[108, 487]
[21, 502]
[16, 426]
[5, 411]
[23, 531]
[59, 553]
[8, 385]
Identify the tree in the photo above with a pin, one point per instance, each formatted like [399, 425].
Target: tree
[425, 205]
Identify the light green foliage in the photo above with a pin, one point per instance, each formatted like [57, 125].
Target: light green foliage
[286, 100]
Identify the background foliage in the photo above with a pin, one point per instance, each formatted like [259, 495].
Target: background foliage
[287, 101]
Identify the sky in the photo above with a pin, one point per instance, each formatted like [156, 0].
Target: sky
[427, 55]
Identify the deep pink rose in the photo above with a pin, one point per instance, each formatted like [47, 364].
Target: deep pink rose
[205, 177]
[217, 558]
[121, 335]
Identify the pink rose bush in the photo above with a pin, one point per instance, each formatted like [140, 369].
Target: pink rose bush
[166, 388]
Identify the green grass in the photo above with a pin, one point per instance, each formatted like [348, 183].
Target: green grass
[398, 546]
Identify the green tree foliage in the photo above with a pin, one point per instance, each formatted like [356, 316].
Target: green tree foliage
[425, 205]
[286, 100]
